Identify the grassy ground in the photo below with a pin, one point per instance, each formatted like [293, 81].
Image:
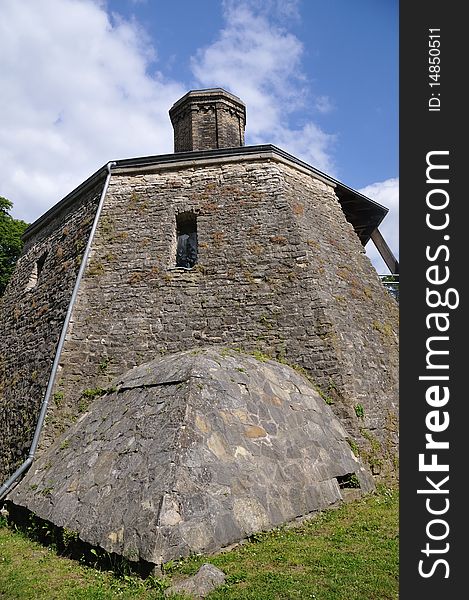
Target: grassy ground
[346, 554]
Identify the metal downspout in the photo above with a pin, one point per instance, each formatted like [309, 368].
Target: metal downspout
[42, 415]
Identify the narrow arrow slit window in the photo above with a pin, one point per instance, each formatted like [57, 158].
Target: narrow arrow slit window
[186, 228]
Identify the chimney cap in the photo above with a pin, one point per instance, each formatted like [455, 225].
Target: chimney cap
[207, 94]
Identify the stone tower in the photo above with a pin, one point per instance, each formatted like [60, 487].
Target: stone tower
[207, 120]
[217, 248]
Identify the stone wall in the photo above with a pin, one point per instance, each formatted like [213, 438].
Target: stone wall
[32, 312]
[280, 271]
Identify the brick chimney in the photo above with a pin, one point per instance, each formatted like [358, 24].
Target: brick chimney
[208, 119]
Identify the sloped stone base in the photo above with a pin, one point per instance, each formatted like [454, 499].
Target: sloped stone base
[191, 453]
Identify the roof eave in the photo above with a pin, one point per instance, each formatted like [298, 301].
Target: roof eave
[349, 198]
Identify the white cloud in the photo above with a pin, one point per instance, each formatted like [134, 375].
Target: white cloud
[78, 90]
[259, 61]
[279, 10]
[324, 105]
[387, 194]
[76, 93]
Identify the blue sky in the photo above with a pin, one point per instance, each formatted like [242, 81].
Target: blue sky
[87, 81]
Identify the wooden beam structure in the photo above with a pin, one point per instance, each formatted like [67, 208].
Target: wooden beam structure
[385, 251]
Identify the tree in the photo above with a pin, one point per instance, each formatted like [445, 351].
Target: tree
[11, 243]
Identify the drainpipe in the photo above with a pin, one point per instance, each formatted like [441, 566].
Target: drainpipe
[42, 415]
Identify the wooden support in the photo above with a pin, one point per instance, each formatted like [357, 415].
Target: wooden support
[385, 251]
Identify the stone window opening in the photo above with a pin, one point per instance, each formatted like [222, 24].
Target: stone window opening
[186, 233]
[36, 272]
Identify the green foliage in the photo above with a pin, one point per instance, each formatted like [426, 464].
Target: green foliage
[11, 243]
[359, 411]
[266, 321]
[92, 393]
[69, 536]
[351, 552]
[58, 398]
[88, 395]
[104, 364]
[348, 553]
[373, 455]
[95, 268]
[31, 571]
[260, 356]
[353, 446]
[385, 329]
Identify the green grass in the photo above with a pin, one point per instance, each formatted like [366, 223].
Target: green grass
[29, 571]
[346, 554]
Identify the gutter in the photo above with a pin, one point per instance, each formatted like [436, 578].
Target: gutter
[196, 158]
[6, 487]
